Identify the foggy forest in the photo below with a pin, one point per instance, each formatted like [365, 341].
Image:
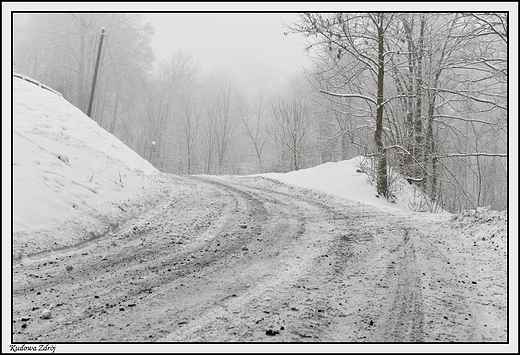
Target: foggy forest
[424, 94]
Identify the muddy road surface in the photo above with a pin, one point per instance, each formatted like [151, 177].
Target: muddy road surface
[250, 260]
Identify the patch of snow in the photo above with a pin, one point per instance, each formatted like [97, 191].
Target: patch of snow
[346, 179]
[482, 227]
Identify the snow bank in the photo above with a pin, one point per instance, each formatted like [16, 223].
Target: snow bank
[346, 179]
[482, 227]
[66, 169]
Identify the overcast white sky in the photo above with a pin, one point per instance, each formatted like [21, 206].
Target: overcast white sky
[223, 39]
[250, 47]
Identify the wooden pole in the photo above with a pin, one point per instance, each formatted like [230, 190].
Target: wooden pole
[89, 110]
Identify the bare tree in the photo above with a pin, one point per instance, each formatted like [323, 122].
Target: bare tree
[292, 125]
[253, 121]
[360, 38]
[163, 109]
[190, 119]
[220, 124]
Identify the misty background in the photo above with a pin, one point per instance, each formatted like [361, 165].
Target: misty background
[238, 93]
[250, 47]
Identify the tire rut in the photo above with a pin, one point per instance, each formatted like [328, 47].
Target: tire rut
[403, 320]
[221, 260]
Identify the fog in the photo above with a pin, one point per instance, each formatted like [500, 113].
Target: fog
[223, 93]
[249, 47]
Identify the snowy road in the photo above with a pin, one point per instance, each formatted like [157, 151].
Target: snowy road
[248, 259]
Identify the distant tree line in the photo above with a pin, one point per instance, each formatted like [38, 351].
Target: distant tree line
[423, 94]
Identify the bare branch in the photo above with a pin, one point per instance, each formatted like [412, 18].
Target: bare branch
[465, 119]
[470, 97]
[499, 155]
[369, 99]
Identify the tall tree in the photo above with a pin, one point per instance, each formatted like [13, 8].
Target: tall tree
[360, 39]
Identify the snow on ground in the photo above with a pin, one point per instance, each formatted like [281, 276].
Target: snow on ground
[481, 231]
[349, 179]
[67, 172]
[73, 181]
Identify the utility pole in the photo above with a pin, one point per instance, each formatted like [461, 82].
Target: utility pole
[89, 110]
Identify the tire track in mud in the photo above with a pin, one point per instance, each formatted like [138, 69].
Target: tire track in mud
[224, 261]
[264, 265]
[302, 306]
[392, 312]
[134, 267]
[135, 273]
[315, 297]
[403, 318]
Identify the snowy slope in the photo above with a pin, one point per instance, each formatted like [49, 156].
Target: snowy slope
[66, 169]
[346, 179]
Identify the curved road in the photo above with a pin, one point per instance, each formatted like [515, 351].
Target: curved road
[232, 260]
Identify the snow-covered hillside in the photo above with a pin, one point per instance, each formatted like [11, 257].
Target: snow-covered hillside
[349, 179]
[69, 174]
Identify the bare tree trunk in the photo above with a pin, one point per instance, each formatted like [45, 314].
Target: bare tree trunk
[410, 86]
[382, 178]
[344, 155]
[418, 130]
[430, 147]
